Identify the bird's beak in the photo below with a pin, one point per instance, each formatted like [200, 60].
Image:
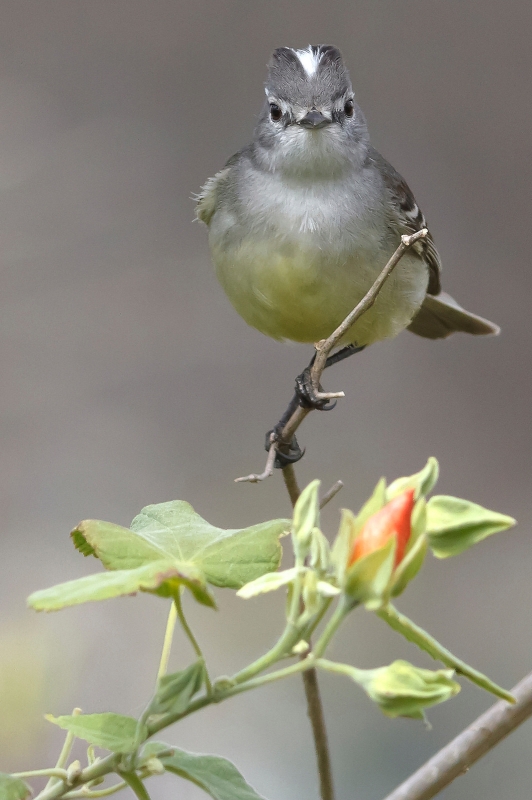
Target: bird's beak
[314, 119]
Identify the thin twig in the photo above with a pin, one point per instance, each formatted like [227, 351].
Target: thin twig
[268, 469]
[475, 741]
[290, 481]
[333, 491]
[323, 350]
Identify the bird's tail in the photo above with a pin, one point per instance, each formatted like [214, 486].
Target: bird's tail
[440, 315]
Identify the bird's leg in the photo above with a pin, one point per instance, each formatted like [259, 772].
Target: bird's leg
[303, 396]
[294, 452]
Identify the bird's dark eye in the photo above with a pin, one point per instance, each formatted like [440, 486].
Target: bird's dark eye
[275, 112]
[349, 108]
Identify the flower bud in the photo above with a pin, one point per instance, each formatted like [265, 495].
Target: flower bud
[394, 519]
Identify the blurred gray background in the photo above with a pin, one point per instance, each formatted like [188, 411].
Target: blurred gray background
[128, 379]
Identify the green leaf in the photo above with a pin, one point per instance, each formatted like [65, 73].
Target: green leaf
[454, 525]
[110, 731]
[413, 633]
[268, 583]
[175, 691]
[13, 788]
[366, 581]
[423, 482]
[409, 566]
[306, 513]
[216, 776]
[400, 690]
[161, 577]
[173, 531]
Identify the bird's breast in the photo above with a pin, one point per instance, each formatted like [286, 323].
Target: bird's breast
[295, 262]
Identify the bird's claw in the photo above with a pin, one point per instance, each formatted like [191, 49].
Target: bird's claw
[283, 459]
[307, 395]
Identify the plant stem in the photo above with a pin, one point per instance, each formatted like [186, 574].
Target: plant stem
[332, 626]
[192, 639]
[167, 644]
[65, 752]
[53, 772]
[319, 732]
[135, 784]
[97, 793]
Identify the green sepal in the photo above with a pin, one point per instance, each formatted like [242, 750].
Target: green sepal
[409, 566]
[423, 482]
[367, 580]
[306, 517]
[12, 788]
[418, 523]
[413, 633]
[216, 776]
[320, 551]
[455, 525]
[400, 689]
[111, 731]
[341, 548]
[372, 505]
[175, 691]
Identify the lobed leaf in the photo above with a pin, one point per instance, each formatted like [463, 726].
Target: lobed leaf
[173, 531]
[159, 577]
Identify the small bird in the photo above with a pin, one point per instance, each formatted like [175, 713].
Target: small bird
[303, 220]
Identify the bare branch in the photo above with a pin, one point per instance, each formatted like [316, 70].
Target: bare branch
[268, 469]
[333, 491]
[324, 347]
[459, 755]
[290, 481]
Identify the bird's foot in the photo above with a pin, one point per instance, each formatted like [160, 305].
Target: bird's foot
[307, 395]
[290, 452]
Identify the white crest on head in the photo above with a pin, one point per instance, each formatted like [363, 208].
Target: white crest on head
[310, 59]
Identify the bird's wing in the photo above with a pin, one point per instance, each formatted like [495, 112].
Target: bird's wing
[410, 218]
[208, 196]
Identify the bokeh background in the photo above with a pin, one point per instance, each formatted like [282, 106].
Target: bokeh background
[128, 379]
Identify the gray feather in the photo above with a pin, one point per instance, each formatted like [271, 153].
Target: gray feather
[440, 316]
